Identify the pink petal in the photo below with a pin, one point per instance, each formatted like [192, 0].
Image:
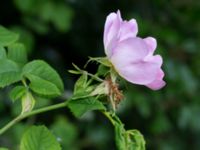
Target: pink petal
[130, 50]
[151, 43]
[111, 29]
[128, 60]
[157, 59]
[158, 83]
[128, 29]
[138, 73]
[132, 57]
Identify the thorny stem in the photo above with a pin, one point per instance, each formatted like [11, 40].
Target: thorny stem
[28, 114]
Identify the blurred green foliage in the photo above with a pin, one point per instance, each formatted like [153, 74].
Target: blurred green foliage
[38, 14]
[62, 32]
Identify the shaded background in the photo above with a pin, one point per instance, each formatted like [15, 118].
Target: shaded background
[62, 32]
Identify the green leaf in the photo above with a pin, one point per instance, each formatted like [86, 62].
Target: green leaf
[39, 138]
[66, 132]
[120, 137]
[43, 87]
[24, 6]
[7, 37]
[1, 148]
[26, 37]
[135, 140]
[81, 106]
[44, 80]
[62, 17]
[125, 140]
[17, 93]
[47, 10]
[17, 53]
[2, 53]
[129, 140]
[9, 72]
[39, 26]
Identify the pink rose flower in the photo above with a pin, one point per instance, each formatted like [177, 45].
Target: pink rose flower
[132, 56]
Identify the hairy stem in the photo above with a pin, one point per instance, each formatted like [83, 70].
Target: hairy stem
[28, 114]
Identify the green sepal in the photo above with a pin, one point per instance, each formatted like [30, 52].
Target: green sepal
[28, 102]
[102, 60]
[81, 84]
[103, 70]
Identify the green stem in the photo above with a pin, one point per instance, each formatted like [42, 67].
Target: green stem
[108, 115]
[28, 114]
[112, 117]
[112, 103]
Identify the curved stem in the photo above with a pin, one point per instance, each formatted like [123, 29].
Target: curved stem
[10, 124]
[114, 119]
[28, 114]
[108, 115]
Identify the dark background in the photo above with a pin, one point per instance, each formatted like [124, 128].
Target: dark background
[62, 32]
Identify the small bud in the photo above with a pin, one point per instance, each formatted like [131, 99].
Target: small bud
[28, 102]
